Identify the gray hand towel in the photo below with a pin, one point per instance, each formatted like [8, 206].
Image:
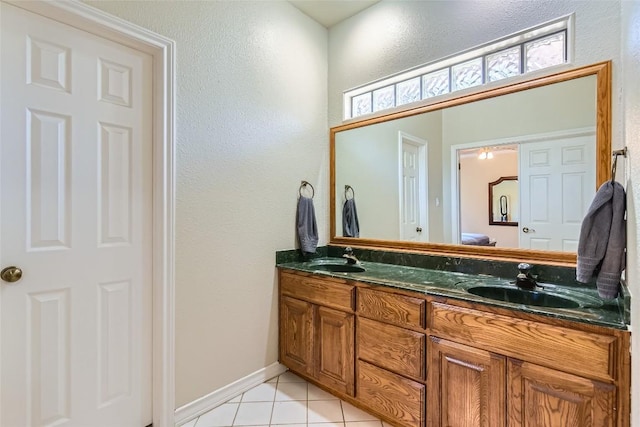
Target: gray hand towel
[603, 241]
[350, 223]
[306, 225]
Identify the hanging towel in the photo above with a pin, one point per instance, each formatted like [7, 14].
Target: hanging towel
[350, 224]
[602, 241]
[306, 225]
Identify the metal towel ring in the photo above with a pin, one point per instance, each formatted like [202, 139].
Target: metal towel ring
[304, 184]
[346, 191]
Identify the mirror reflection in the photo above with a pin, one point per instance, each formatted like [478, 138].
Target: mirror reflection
[425, 178]
[503, 201]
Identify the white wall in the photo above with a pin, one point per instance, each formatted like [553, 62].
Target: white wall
[631, 104]
[551, 108]
[251, 124]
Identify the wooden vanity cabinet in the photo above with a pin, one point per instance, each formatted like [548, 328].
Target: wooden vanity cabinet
[317, 330]
[420, 361]
[496, 370]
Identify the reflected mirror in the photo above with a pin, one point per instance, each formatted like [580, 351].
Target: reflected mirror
[503, 201]
[422, 176]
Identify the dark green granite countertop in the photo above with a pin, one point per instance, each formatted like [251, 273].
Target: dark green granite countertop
[593, 310]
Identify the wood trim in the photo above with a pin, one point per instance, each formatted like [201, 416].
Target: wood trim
[162, 50]
[601, 70]
[332, 189]
[623, 373]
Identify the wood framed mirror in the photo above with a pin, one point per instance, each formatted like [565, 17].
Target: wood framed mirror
[356, 163]
[504, 201]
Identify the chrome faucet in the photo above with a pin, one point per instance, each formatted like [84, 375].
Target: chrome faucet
[524, 279]
[351, 258]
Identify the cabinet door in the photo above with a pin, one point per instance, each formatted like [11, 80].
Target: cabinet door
[334, 342]
[296, 335]
[466, 386]
[543, 397]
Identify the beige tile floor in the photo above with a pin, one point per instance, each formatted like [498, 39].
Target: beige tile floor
[286, 400]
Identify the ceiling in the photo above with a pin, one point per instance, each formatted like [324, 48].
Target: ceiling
[330, 12]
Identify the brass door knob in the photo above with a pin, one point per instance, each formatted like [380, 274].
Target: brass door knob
[11, 274]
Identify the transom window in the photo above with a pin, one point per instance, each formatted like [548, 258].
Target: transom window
[530, 50]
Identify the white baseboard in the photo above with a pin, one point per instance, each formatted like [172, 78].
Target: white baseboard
[206, 403]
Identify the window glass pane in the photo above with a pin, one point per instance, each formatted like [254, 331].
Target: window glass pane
[467, 74]
[544, 52]
[361, 104]
[436, 83]
[408, 91]
[383, 98]
[503, 64]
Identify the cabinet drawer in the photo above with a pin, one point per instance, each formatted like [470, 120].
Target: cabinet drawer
[397, 349]
[325, 292]
[399, 398]
[584, 353]
[391, 308]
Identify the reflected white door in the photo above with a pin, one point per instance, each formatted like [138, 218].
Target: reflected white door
[557, 184]
[75, 216]
[414, 221]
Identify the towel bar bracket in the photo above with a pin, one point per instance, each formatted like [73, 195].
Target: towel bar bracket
[622, 152]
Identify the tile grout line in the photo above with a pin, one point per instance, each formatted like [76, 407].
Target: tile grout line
[237, 410]
[273, 404]
[344, 421]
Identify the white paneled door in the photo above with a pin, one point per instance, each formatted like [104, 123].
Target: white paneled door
[75, 218]
[414, 221]
[557, 183]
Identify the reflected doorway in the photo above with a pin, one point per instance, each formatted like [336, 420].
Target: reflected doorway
[413, 188]
[556, 179]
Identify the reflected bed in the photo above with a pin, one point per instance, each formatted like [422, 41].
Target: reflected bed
[477, 239]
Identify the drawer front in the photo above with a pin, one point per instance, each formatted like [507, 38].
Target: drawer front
[389, 394]
[390, 347]
[391, 308]
[583, 353]
[325, 292]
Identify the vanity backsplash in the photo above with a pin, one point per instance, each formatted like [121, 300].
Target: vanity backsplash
[505, 269]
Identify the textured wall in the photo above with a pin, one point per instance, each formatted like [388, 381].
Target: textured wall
[392, 36]
[631, 103]
[251, 124]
